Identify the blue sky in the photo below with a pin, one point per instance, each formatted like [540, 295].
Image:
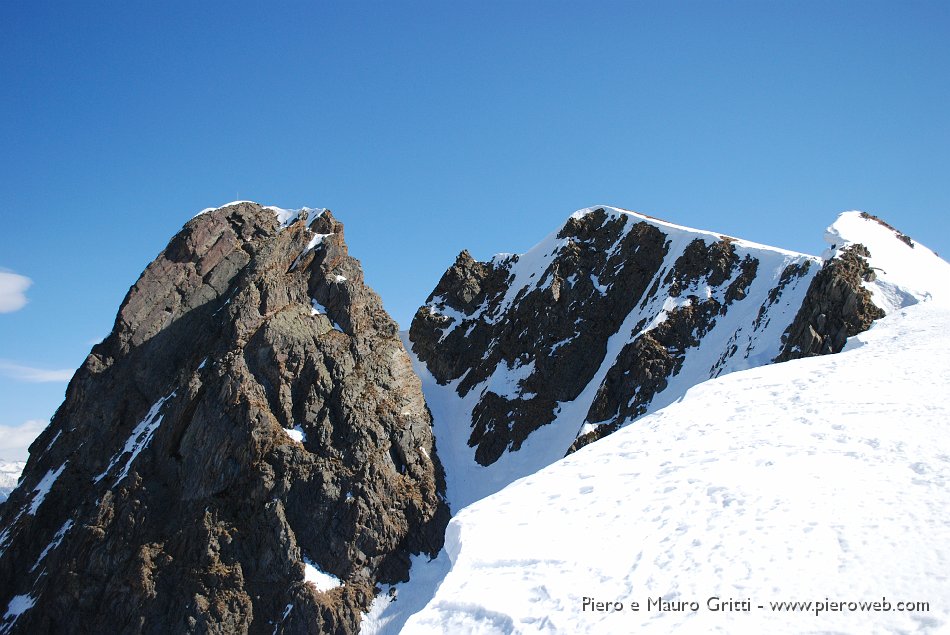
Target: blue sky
[432, 127]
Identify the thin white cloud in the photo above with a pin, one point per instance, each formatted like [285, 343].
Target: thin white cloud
[12, 291]
[34, 375]
[15, 440]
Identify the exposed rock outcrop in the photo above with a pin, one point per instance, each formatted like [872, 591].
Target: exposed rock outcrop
[614, 310]
[252, 420]
[835, 307]
[551, 333]
[619, 314]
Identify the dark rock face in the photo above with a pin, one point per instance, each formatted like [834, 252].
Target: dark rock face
[530, 333]
[645, 365]
[167, 494]
[557, 330]
[836, 307]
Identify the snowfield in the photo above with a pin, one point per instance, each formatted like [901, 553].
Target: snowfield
[822, 480]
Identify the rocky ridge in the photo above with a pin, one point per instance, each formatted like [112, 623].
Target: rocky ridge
[248, 451]
[618, 314]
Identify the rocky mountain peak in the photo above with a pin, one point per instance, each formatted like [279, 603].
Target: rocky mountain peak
[247, 451]
[617, 314]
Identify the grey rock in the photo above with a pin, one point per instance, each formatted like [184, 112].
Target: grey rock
[645, 365]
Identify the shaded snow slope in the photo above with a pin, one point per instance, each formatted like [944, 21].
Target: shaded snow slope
[818, 479]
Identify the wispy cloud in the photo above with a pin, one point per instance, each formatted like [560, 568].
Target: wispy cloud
[34, 375]
[12, 291]
[15, 440]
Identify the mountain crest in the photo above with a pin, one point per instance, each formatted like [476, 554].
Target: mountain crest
[250, 451]
[617, 314]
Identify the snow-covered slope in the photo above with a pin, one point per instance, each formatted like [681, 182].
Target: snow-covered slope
[820, 480]
[906, 271]
[618, 314]
[614, 315]
[788, 482]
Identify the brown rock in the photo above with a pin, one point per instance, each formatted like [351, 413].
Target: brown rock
[180, 503]
[836, 306]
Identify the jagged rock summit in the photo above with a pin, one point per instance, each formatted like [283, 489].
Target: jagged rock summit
[617, 314]
[248, 451]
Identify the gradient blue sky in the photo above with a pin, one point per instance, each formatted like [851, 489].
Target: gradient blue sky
[432, 127]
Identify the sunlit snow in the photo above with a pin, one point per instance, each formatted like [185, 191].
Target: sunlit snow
[905, 274]
[322, 581]
[818, 478]
[296, 433]
[738, 330]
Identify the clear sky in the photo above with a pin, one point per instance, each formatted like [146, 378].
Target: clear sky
[432, 127]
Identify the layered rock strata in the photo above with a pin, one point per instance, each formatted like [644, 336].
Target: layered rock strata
[248, 451]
